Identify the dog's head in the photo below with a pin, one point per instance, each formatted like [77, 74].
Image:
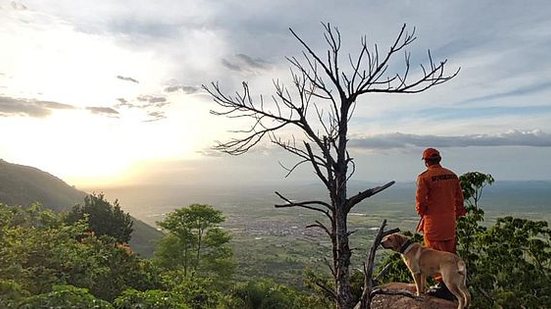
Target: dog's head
[394, 241]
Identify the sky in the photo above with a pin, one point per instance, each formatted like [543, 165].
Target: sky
[108, 93]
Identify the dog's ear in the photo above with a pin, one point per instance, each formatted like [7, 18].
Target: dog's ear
[399, 239]
[391, 241]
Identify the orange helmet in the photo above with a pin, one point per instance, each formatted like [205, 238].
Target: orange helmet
[430, 153]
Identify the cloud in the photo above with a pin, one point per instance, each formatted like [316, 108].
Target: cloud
[106, 111]
[123, 103]
[151, 99]
[18, 6]
[519, 91]
[129, 79]
[144, 102]
[29, 107]
[184, 89]
[534, 138]
[155, 116]
[151, 107]
[244, 63]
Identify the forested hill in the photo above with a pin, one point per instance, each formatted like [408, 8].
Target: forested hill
[23, 185]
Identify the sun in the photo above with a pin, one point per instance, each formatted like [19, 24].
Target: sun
[86, 149]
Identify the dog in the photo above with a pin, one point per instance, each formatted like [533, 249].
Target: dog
[423, 262]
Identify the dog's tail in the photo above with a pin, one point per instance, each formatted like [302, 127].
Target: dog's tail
[462, 268]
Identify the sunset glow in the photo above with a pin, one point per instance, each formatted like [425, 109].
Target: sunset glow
[100, 94]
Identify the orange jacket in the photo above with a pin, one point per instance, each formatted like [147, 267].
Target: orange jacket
[439, 202]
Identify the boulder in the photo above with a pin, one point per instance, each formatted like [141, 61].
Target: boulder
[399, 295]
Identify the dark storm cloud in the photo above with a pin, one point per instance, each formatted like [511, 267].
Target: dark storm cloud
[29, 107]
[534, 138]
[128, 79]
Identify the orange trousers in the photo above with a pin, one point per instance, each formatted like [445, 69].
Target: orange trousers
[442, 245]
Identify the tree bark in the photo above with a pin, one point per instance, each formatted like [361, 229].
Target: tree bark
[342, 278]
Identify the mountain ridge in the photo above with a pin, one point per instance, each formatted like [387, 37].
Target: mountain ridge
[24, 185]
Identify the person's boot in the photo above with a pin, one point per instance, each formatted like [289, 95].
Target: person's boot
[440, 290]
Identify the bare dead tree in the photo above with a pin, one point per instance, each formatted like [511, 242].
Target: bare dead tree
[320, 104]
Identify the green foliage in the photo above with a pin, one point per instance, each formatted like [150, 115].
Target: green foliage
[65, 296]
[195, 243]
[11, 293]
[513, 267]
[24, 185]
[472, 184]
[197, 292]
[39, 251]
[315, 280]
[265, 294]
[150, 299]
[469, 227]
[103, 218]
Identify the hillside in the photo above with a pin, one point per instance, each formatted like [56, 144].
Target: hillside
[23, 185]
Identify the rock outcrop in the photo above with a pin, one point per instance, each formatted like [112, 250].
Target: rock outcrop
[399, 295]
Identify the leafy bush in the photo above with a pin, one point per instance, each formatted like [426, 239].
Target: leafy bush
[65, 296]
[265, 294]
[39, 251]
[197, 292]
[150, 299]
[103, 217]
[11, 293]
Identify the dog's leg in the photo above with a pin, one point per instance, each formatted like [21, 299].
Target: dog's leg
[465, 292]
[453, 286]
[422, 284]
[462, 284]
[419, 285]
[467, 296]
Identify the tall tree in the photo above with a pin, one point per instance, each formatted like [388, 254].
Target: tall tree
[195, 242]
[320, 104]
[104, 218]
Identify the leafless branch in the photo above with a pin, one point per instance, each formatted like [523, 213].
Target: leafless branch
[365, 299]
[320, 225]
[305, 204]
[354, 200]
[393, 292]
[326, 289]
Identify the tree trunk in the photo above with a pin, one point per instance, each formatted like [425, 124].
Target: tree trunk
[342, 277]
[345, 298]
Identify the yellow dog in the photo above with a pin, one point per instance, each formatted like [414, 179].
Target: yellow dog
[423, 262]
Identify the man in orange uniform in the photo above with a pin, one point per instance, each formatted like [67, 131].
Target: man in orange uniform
[439, 202]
